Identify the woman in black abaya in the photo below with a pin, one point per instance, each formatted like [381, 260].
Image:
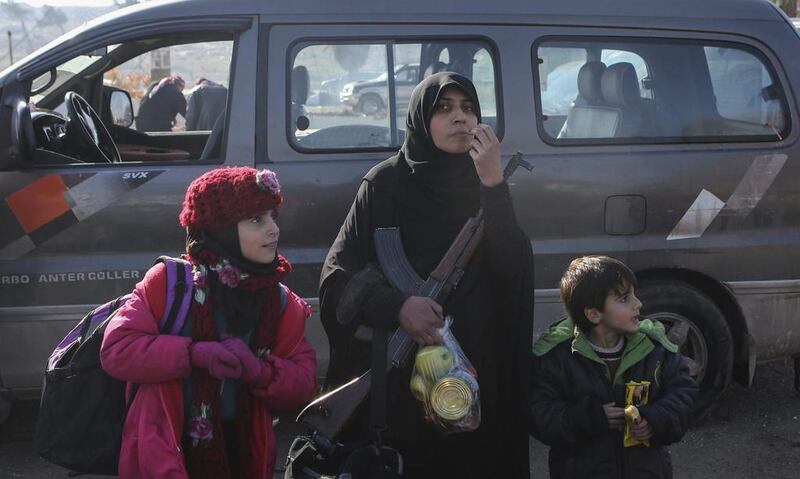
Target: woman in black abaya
[448, 168]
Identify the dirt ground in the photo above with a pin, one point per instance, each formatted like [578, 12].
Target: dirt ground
[751, 434]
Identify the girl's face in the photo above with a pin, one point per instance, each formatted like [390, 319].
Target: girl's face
[453, 121]
[258, 237]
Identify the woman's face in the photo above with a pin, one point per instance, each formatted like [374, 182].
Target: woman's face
[452, 122]
[258, 237]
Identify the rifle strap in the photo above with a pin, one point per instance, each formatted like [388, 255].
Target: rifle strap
[378, 385]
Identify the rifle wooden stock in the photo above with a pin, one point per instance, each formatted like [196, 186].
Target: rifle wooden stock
[328, 414]
[462, 249]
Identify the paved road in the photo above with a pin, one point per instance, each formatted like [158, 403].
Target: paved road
[752, 434]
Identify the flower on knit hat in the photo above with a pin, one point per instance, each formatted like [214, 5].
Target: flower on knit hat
[268, 180]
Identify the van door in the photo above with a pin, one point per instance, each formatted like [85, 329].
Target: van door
[78, 230]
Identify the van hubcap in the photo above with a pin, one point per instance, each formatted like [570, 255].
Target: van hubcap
[690, 341]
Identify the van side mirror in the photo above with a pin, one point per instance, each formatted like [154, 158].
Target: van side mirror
[120, 107]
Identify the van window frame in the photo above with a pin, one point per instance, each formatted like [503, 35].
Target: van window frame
[634, 39]
[390, 41]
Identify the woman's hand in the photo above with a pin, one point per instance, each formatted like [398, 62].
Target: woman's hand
[485, 153]
[421, 317]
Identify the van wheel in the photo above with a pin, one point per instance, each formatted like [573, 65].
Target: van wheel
[370, 104]
[695, 323]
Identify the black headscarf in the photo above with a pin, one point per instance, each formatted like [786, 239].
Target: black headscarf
[242, 308]
[441, 190]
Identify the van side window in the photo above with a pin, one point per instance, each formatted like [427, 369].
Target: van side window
[340, 92]
[159, 100]
[666, 91]
[202, 66]
[743, 89]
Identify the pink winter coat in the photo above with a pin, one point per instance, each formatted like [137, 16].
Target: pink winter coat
[134, 351]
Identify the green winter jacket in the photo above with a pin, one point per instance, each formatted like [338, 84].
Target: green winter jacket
[570, 384]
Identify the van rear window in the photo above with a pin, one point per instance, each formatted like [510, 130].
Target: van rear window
[342, 97]
[595, 91]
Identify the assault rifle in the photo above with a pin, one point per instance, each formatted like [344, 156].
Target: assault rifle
[328, 414]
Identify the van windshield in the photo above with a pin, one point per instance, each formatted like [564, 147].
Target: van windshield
[65, 71]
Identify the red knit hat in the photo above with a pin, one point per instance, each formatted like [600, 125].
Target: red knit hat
[228, 195]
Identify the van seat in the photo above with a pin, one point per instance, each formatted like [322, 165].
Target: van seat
[589, 116]
[620, 87]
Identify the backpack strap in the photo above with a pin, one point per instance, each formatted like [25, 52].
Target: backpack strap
[179, 294]
[180, 286]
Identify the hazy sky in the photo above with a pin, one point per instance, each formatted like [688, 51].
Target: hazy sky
[63, 3]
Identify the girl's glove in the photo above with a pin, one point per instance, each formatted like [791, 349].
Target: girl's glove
[254, 371]
[213, 356]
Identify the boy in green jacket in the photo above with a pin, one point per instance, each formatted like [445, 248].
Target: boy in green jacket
[603, 358]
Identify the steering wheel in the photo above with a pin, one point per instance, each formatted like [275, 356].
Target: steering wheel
[86, 132]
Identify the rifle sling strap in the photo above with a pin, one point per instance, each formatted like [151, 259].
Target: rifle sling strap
[378, 385]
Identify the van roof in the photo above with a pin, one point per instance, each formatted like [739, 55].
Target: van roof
[656, 14]
[473, 10]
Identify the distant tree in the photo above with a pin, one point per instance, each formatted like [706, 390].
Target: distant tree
[20, 12]
[788, 6]
[52, 16]
[351, 57]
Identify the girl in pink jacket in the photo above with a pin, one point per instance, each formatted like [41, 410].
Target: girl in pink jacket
[205, 397]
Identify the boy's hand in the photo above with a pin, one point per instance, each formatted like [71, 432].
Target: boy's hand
[642, 431]
[615, 416]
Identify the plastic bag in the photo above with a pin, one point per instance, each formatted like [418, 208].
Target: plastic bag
[446, 384]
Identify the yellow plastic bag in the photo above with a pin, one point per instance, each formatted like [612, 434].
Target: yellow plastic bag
[637, 393]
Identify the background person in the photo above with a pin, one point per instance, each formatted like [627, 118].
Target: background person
[206, 102]
[161, 104]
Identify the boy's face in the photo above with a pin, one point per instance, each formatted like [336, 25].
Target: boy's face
[620, 314]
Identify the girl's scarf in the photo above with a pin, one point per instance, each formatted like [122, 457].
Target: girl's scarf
[207, 454]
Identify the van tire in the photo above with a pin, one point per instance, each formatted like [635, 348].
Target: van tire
[703, 335]
[370, 104]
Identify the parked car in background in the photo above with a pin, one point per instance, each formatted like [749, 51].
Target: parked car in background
[330, 89]
[371, 97]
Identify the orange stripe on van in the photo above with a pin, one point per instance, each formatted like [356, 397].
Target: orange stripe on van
[39, 203]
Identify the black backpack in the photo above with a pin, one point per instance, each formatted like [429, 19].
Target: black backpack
[83, 409]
